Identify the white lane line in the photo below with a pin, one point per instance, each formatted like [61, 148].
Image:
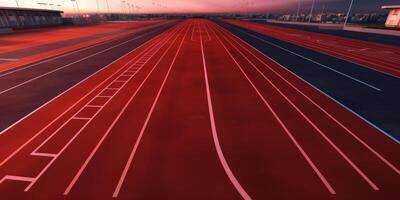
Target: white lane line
[8, 60]
[89, 158]
[327, 95]
[313, 61]
[76, 103]
[67, 65]
[213, 125]
[357, 50]
[283, 125]
[132, 155]
[316, 127]
[16, 178]
[58, 56]
[51, 155]
[76, 118]
[383, 159]
[97, 106]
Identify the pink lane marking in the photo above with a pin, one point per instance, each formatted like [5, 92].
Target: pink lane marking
[217, 144]
[16, 178]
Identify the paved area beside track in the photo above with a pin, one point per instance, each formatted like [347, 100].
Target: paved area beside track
[197, 113]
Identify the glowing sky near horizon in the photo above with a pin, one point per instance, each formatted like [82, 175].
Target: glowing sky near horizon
[195, 6]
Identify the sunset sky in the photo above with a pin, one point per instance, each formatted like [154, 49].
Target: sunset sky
[205, 6]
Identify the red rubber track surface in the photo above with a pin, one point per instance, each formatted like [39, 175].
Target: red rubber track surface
[196, 113]
[379, 57]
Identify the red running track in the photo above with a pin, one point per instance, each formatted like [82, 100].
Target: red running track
[196, 113]
[380, 57]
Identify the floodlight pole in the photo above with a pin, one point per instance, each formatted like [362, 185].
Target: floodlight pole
[298, 10]
[348, 13]
[77, 6]
[122, 6]
[73, 6]
[311, 11]
[108, 6]
[98, 6]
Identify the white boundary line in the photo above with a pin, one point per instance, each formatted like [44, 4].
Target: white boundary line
[213, 127]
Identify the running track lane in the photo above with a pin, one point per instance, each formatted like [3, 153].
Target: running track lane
[157, 131]
[347, 155]
[49, 134]
[383, 58]
[171, 153]
[32, 81]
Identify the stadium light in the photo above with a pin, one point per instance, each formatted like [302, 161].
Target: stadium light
[348, 13]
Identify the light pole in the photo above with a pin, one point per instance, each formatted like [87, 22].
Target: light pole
[77, 6]
[122, 6]
[73, 6]
[98, 6]
[311, 11]
[298, 10]
[16, 1]
[108, 6]
[348, 13]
